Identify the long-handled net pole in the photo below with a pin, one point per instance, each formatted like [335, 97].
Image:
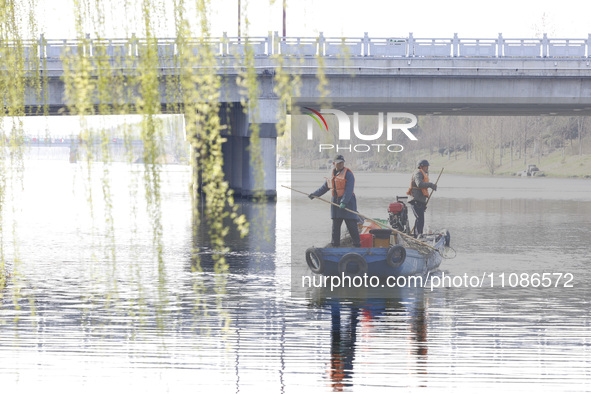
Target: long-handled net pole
[428, 198]
[408, 237]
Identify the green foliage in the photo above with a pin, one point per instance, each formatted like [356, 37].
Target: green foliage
[14, 49]
[137, 80]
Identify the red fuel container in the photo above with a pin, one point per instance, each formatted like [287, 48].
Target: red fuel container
[366, 240]
[395, 207]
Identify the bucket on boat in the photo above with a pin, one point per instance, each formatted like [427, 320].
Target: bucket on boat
[381, 237]
[366, 240]
[367, 226]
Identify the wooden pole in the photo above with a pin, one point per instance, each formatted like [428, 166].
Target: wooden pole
[437, 181]
[284, 18]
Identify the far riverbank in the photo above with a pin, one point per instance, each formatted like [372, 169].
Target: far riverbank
[552, 165]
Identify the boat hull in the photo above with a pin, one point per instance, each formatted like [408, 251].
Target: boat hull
[331, 261]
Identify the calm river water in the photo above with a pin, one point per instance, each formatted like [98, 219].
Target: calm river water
[74, 318]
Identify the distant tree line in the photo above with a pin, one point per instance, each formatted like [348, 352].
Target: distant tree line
[490, 140]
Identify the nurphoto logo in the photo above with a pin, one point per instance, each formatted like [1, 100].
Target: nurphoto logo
[392, 121]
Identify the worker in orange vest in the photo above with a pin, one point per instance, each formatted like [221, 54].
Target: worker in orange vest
[341, 182]
[419, 193]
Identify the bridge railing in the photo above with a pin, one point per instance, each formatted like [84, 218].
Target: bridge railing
[29, 48]
[387, 47]
[296, 46]
[118, 49]
[238, 46]
[112, 48]
[568, 48]
[478, 47]
[432, 47]
[342, 46]
[521, 47]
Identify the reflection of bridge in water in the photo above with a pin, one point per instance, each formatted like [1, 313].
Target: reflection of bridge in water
[423, 76]
[69, 141]
[69, 148]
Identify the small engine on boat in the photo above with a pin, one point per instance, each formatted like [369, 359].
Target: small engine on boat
[398, 215]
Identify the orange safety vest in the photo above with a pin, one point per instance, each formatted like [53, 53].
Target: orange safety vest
[423, 189]
[338, 182]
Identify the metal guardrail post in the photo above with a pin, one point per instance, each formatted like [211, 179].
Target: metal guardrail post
[321, 41]
[545, 45]
[455, 45]
[500, 45]
[269, 44]
[133, 45]
[588, 45]
[42, 46]
[87, 47]
[226, 44]
[276, 43]
[411, 45]
[365, 46]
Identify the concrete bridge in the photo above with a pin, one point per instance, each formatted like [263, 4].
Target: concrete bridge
[423, 76]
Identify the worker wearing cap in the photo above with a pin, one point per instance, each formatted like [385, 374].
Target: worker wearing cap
[342, 183]
[419, 193]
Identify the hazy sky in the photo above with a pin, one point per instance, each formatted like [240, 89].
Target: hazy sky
[380, 18]
[386, 18]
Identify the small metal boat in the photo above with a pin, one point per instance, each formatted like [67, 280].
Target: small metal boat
[394, 260]
[387, 250]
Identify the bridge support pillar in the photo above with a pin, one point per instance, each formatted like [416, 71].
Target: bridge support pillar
[232, 151]
[239, 168]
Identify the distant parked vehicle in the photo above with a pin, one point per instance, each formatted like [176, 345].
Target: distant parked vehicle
[531, 170]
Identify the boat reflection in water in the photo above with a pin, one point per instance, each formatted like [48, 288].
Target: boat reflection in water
[359, 328]
[343, 335]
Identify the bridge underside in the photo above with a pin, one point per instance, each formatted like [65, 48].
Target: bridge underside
[458, 95]
[431, 107]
